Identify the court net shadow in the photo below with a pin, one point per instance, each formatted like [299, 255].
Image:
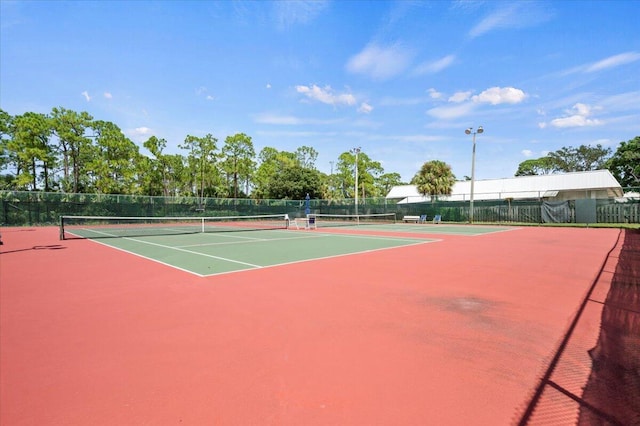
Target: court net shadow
[49, 247]
[611, 395]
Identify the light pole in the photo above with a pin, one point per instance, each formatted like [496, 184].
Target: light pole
[331, 188]
[356, 151]
[470, 131]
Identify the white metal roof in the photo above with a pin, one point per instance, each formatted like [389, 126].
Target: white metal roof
[520, 187]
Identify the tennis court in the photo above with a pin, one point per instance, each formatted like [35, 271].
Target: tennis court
[209, 254]
[376, 324]
[215, 245]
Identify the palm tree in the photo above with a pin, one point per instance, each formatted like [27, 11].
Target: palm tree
[434, 178]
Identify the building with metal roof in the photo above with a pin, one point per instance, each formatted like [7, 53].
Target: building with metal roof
[595, 184]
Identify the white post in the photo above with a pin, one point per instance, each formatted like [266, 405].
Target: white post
[356, 151]
[470, 131]
[473, 177]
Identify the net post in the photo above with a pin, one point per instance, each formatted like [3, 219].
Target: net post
[61, 227]
[202, 227]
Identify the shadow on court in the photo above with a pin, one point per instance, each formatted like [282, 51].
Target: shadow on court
[613, 389]
[598, 384]
[49, 247]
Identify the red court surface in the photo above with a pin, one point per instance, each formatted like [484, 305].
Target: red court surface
[457, 332]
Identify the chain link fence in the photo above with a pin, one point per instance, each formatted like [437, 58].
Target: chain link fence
[19, 208]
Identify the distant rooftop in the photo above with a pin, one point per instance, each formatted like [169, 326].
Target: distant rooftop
[593, 184]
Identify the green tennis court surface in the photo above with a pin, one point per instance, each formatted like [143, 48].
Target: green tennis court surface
[445, 229]
[222, 252]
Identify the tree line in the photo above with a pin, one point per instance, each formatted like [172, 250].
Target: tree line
[624, 163]
[72, 152]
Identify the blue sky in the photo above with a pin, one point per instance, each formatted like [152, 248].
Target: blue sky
[402, 80]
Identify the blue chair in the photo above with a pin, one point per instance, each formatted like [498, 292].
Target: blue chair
[437, 218]
[423, 218]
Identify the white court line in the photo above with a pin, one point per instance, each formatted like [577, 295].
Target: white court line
[185, 251]
[254, 240]
[496, 232]
[331, 257]
[308, 236]
[369, 237]
[148, 258]
[415, 241]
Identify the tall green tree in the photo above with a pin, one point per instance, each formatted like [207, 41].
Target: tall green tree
[76, 148]
[306, 157]
[6, 125]
[625, 163]
[113, 163]
[201, 162]
[434, 178]
[156, 173]
[295, 182]
[565, 160]
[272, 163]
[536, 166]
[387, 181]
[238, 160]
[175, 174]
[33, 150]
[368, 172]
[581, 159]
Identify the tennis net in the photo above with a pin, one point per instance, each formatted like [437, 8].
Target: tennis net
[118, 227]
[332, 220]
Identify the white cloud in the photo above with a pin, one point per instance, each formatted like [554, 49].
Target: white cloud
[276, 119]
[521, 14]
[574, 121]
[139, 134]
[326, 95]
[268, 118]
[467, 103]
[498, 19]
[365, 108]
[268, 86]
[627, 101]
[142, 131]
[435, 66]
[527, 152]
[460, 97]
[86, 95]
[603, 64]
[614, 61]
[500, 95]
[203, 91]
[434, 93]
[576, 117]
[289, 13]
[450, 112]
[108, 95]
[380, 63]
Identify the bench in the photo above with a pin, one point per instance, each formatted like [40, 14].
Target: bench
[415, 219]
